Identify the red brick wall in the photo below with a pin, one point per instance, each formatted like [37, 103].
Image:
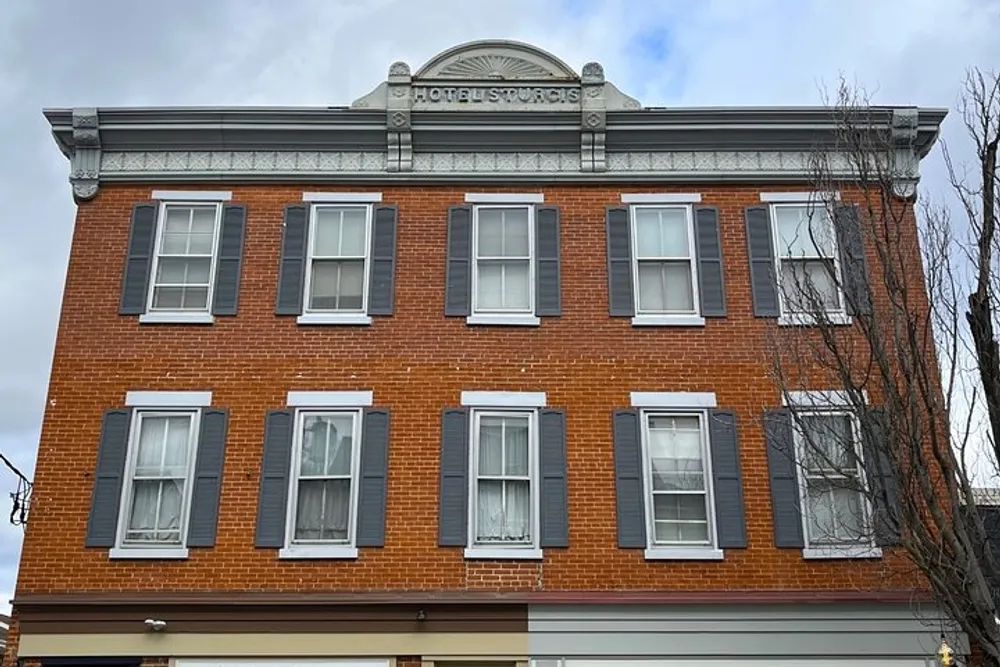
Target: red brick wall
[416, 363]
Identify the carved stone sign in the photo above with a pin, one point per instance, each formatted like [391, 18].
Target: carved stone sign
[494, 95]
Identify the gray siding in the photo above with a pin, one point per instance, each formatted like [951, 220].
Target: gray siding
[744, 631]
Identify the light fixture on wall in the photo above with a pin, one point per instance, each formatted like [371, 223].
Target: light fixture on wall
[421, 615]
[945, 653]
[155, 625]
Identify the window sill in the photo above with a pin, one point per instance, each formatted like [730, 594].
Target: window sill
[808, 320]
[151, 553]
[500, 553]
[176, 318]
[668, 321]
[504, 320]
[318, 552]
[830, 553]
[335, 318]
[684, 553]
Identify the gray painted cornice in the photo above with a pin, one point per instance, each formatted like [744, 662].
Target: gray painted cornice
[480, 111]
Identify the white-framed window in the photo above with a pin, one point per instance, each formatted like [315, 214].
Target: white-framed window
[503, 247]
[184, 259]
[336, 280]
[323, 491]
[664, 269]
[836, 513]
[807, 260]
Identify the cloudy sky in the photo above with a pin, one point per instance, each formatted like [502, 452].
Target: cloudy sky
[59, 53]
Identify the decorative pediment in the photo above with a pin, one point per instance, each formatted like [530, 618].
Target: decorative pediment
[496, 60]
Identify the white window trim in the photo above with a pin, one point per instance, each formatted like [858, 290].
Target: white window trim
[829, 403]
[292, 551]
[497, 551]
[835, 317]
[164, 316]
[657, 318]
[513, 318]
[504, 198]
[192, 195]
[799, 197]
[674, 400]
[655, 551]
[661, 198]
[121, 550]
[329, 399]
[283, 662]
[168, 399]
[342, 197]
[504, 399]
[311, 316]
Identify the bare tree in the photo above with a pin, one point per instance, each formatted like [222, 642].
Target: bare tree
[894, 308]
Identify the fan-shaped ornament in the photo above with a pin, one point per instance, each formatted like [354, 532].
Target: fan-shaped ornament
[490, 66]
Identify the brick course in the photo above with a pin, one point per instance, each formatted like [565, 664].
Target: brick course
[416, 362]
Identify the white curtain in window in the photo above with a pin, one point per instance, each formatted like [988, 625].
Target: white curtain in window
[158, 485]
[665, 286]
[503, 504]
[323, 504]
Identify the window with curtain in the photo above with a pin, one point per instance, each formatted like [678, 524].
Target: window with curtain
[323, 478]
[806, 248]
[184, 259]
[159, 489]
[678, 489]
[502, 494]
[503, 252]
[664, 260]
[835, 507]
[338, 251]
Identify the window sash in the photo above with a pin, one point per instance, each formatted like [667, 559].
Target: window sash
[324, 481]
[705, 493]
[502, 261]
[505, 480]
[843, 478]
[689, 258]
[156, 286]
[133, 537]
[810, 254]
[314, 258]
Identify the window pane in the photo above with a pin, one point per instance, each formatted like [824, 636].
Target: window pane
[835, 513]
[323, 510]
[667, 531]
[490, 231]
[200, 244]
[489, 286]
[156, 511]
[518, 522]
[665, 287]
[503, 511]
[662, 232]
[337, 285]
[326, 445]
[679, 507]
[163, 446]
[515, 232]
[194, 298]
[327, 233]
[808, 285]
[675, 453]
[180, 271]
[203, 220]
[804, 231]
[174, 244]
[168, 298]
[353, 244]
[352, 282]
[516, 285]
[491, 446]
[516, 450]
[829, 443]
[177, 220]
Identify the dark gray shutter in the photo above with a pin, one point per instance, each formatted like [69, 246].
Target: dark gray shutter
[711, 287]
[207, 478]
[727, 480]
[554, 513]
[881, 479]
[135, 281]
[631, 503]
[272, 502]
[453, 512]
[761, 251]
[102, 524]
[620, 300]
[292, 267]
[548, 291]
[374, 473]
[458, 278]
[854, 268]
[382, 278]
[227, 274]
[786, 509]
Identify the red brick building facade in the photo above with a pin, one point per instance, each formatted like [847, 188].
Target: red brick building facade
[472, 371]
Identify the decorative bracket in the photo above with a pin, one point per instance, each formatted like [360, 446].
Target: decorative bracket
[905, 160]
[399, 142]
[593, 118]
[85, 163]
